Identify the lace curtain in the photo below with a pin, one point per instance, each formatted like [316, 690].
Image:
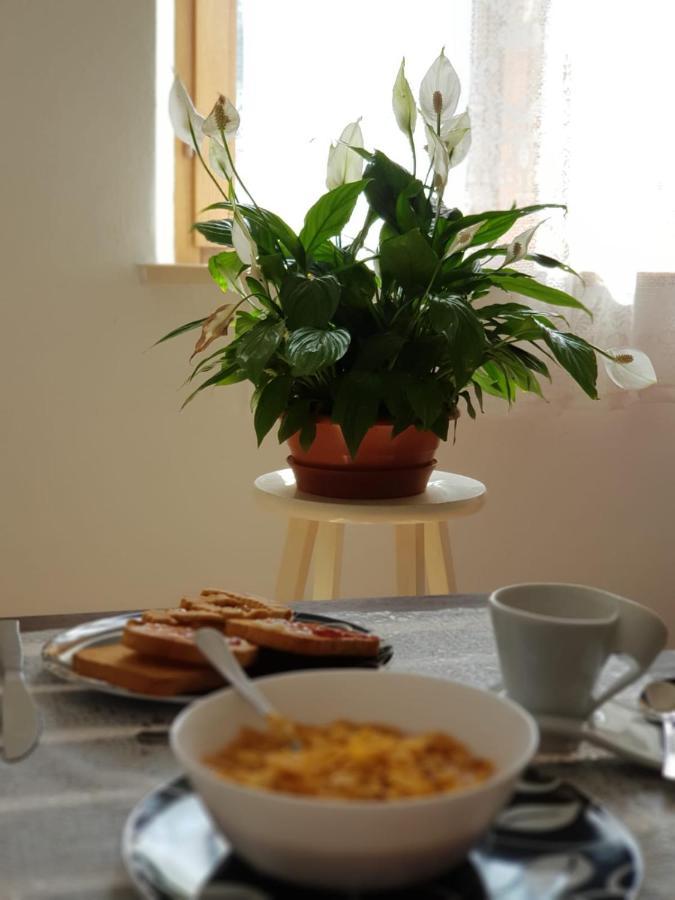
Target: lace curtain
[567, 103]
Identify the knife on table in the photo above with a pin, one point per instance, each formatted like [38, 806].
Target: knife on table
[20, 717]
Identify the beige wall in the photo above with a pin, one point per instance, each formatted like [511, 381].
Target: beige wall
[113, 498]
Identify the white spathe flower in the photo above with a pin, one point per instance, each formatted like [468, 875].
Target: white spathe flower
[344, 165]
[223, 118]
[403, 103]
[242, 241]
[219, 159]
[456, 135]
[183, 114]
[439, 156]
[463, 238]
[630, 369]
[439, 91]
[520, 245]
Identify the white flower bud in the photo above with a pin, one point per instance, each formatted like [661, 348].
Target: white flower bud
[344, 165]
[403, 103]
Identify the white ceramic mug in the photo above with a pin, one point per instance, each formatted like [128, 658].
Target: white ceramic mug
[553, 641]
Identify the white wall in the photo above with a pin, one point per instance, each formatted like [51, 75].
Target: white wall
[112, 498]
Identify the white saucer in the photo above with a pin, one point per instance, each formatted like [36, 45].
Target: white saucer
[618, 727]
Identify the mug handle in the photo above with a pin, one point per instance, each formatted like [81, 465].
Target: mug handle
[640, 635]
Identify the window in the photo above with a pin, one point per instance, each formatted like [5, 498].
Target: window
[300, 70]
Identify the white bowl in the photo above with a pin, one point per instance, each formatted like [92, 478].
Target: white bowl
[344, 844]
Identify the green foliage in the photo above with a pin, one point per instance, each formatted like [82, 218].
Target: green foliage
[397, 328]
[330, 214]
[311, 349]
[218, 231]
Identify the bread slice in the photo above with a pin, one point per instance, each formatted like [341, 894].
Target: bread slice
[304, 638]
[177, 643]
[197, 618]
[227, 608]
[216, 597]
[123, 667]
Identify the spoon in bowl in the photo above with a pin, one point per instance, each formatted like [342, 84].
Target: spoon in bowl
[215, 648]
[657, 702]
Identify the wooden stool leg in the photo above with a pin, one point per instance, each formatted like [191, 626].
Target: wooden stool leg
[438, 559]
[295, 560]
[328, 561]
[409, 560]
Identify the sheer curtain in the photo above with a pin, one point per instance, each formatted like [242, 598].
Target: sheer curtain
[571, 102]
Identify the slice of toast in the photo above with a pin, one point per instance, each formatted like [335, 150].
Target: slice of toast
[198, 606]
[195, 618]
[304, 638]
[176, 643]
[121, 666]
[217, 597]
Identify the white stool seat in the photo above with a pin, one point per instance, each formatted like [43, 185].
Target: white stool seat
[316, 528]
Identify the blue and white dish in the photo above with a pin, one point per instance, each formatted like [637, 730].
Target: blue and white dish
[551, 842]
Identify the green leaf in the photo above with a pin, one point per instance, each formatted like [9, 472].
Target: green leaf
[492, 379]
[517, 370]
[426, 399]
[255, 347]
[577, 357]
[356, 406]
[409, 261]
[359, 286]
[190, 326]
[528, 287]
[457, 320]
[311, 349]
[531, 361]
[330, 214]
[309, 301]
[245, 320]
[224, 269]
[550, 263]
[295, 418]
[230, 375]
[307, 434]
[272, 266]
[271, 404]
[466, 396]
[408, 202]
[218, 231]
[387, 181]
[267, 229]
[497, 222]
[378, 349]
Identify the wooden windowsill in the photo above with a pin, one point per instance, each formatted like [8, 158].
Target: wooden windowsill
[174, 273]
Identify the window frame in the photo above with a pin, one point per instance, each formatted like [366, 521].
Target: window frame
[206, 59]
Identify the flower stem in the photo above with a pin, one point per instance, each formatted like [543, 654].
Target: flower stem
[203, 162]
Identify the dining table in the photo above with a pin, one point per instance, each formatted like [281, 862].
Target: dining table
[64, 806]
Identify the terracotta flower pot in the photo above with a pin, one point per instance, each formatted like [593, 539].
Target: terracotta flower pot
[384, 466]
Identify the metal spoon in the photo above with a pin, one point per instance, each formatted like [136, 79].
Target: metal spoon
[215, 648]
[657, 702]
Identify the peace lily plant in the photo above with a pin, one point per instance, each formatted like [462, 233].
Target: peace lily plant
[401, 319]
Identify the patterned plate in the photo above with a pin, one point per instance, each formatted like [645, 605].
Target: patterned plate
[57, 655]
[551, 842]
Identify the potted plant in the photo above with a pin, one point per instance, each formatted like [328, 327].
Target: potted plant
[362, 349]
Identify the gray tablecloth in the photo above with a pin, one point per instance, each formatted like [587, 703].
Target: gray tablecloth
[62, 809]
